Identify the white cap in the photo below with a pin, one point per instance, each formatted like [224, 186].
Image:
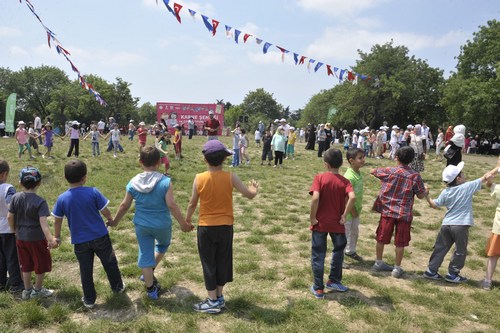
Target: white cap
[409, 126]
[74, 122]
[20, 122]
[211, 112]
[276, 120]
[452, 171]
[283, 120]
[142, 123]
[292, 128]
[131, 120]
[395, 127]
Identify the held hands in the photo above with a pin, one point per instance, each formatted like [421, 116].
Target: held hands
[187, 226]
[53, 243]
[342, 219]
[111, 223]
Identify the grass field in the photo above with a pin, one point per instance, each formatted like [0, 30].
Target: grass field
[270, 292]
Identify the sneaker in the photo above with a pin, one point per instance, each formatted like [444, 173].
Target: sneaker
[397, 272]
[155, 281]
[383, 267]
[120, 290]
[354, 256]
[26, 294]
[44, 292]
[455, 278]
[486, 285]
[345, 265]
[274, 166]
[336, 286]
[432, 276]
[222, 301]
[16, 289]
[153, 293]
[87, 305]
[207, 306]
[319, 294]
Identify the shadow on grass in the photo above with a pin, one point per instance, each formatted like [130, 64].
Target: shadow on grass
[242, 308]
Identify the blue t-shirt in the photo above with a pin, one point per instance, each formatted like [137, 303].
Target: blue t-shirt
[81, 206]
[458, 202]
[151, 208]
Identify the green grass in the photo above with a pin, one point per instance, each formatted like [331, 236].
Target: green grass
[272, 274]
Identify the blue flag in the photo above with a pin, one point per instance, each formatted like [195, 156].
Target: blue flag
[266, 47]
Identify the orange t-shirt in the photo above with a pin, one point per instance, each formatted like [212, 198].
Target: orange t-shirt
[215, 190]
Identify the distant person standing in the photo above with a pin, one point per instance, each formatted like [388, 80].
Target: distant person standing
[38, 127]
[2, 128]
[100, 126]
[212, 126]
[190, 127]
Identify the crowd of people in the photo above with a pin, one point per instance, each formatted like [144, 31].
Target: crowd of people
[336, 203]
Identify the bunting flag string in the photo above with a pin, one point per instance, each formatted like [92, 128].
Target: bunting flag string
[51, 39]
[212, 27]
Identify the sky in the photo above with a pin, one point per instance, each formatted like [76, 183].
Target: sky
[164, 61]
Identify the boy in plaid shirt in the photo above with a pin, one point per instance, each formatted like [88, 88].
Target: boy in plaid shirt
[399, 185]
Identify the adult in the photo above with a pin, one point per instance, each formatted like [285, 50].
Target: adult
[329, 136]
[191, 127]
[394, 142]
[131, 130]
[212, 126]
[286, 127]
[2, 128]
[100, 126]
[416, 142]
[262, 128]
[311, 137]
[37, 124]
[453, 151]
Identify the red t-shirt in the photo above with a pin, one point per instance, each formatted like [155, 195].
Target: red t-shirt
[213, 124]
[142, 134]
[333, 190]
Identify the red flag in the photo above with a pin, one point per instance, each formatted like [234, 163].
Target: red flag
[215, 24]
[245, 37]
[177, 10]
[350, 76]
[329, 70]
[302, 58]
[48, 38]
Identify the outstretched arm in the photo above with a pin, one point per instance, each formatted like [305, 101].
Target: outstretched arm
[248, 192]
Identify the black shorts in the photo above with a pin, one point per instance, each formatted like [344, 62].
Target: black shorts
[215, 246]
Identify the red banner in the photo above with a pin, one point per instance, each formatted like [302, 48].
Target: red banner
[179, 113]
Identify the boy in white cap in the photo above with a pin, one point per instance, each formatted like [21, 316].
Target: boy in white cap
[457, 198]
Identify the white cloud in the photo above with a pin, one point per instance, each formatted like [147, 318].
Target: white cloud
[339, 8]
[341, 44]
[271, 57]
[9, 32]
[18, 51]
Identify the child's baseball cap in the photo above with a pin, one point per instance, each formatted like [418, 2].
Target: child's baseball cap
[452, 171]
[214, 146]
[30, 175]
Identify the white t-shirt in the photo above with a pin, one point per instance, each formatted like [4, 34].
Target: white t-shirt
[100, 125]
[257, 135]
[38, 123]
[115, 135]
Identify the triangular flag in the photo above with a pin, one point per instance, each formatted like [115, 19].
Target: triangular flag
[228, 30]
[283, 52]
[192, 13]
[245, 37]
[311, 61]
[329, 70]
[342, 71]
[301, 61]
[177, 10]
[296, 58]
[236, 35]
[350, 76]
[207, 24]
[215, 24]
[266, 47]
[168, 7]
[318, 65]
[258, 40]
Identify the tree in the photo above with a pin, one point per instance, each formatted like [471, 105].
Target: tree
[472, 94]
[260, 105]
[147, 113]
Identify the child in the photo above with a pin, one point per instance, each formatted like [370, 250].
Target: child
[266, 148]
[9, 262]
[236, 147]
[28, 219]
[74, 134]
[142, 134]
[161, 145]
[21, 138]
[32, 136]
[215, 222]
[329, 207]
[178, 142]
[94, 140]
[399, 185]
[457, 197]
[356, 159]
[154, 202]
[82, 206]
[115, 138]
[493, 245]
[243, 147]
[321, 137]
[279, 146]
[290, 148]
[48, 141]
[257, 137]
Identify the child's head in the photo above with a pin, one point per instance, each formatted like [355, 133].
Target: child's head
[405, 155]
[93, 127]
[48, 126]
[333, 157]
[150, 156]
[243, 131]
[21, 124]
[115, 126]
[30, 177]
[4, 169]
[75, 124]
[215, 152]
[178, 127]
[453, 175]
[75, 171]
[30, 124]
[355, 157]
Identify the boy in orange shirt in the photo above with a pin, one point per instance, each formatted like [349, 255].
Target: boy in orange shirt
[215, 222]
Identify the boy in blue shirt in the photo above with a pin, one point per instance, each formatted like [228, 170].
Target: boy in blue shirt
[83, 206]
[154, 201]
[457, 198]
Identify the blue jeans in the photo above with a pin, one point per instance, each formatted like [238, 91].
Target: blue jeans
[318, 253]
[236, 157]
[95, 149]
[85, 254]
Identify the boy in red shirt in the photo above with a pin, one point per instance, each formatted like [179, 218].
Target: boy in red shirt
[332, 198]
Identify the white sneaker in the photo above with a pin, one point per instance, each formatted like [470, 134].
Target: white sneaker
[397, 273]
[26, 294]
[41, 293]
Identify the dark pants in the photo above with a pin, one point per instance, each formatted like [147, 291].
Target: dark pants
[75, 143]
[321, 148]
[278, 157]
[318, 253]
[85, 254]
[449, 235]
[111, 147]
[191, 132]
[215, 246]
[8, 261]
